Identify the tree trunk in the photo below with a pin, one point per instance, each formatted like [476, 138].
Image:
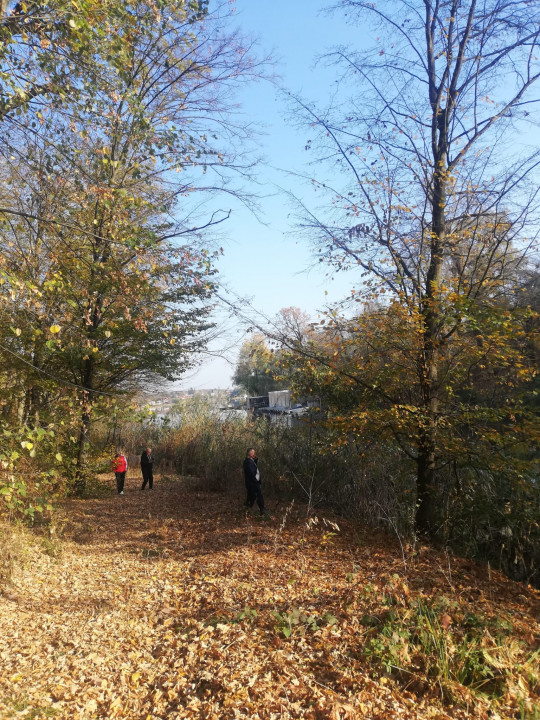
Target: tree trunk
[425, 519]
[84, 431]
[84, 435]
[427, 444]
[428, 364]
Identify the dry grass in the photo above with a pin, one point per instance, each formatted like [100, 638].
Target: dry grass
[12, 545]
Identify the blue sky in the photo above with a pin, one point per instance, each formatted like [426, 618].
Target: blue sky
[265, 261]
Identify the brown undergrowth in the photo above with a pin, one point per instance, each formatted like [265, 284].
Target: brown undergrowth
[176, 604]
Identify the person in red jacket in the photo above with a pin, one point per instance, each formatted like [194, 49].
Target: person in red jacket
[119, 466]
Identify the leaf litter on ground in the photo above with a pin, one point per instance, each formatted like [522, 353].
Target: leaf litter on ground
[179, 604]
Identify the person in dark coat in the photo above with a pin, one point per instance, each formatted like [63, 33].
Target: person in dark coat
[253, 480]
[147, 462]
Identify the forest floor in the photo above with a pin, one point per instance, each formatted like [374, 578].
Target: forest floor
[177, 603]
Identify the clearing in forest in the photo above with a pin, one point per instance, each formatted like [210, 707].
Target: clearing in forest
[177, 604]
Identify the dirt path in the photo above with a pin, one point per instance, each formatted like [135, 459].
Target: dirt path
[174, 604]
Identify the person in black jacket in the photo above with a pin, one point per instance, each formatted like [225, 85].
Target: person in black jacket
[253, 481]
[147, 461]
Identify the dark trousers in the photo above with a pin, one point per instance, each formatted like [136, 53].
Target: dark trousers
[254, 492]
[148, 477]
[120, 477]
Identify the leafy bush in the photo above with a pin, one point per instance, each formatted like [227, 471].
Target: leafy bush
[497, 517]
[30, 478]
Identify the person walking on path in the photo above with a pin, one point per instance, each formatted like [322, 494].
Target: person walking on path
[119, 466]
[147, 462]
[253, 480]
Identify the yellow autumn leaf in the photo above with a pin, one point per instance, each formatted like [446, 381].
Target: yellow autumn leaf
[54, 329]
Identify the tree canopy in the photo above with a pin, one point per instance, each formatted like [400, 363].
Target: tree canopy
[113, 115]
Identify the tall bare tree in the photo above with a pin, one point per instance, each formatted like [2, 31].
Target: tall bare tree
[438, 198]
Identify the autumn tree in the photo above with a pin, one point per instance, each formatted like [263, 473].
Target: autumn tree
[436, 215]
[255, 367]
[100, 311]
[294, 324]
[47, 49]
[104, 248]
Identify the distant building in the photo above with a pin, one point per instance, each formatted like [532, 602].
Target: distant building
[257, 402]
[279, 399]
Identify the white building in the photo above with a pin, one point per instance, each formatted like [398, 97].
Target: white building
[279, 399]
